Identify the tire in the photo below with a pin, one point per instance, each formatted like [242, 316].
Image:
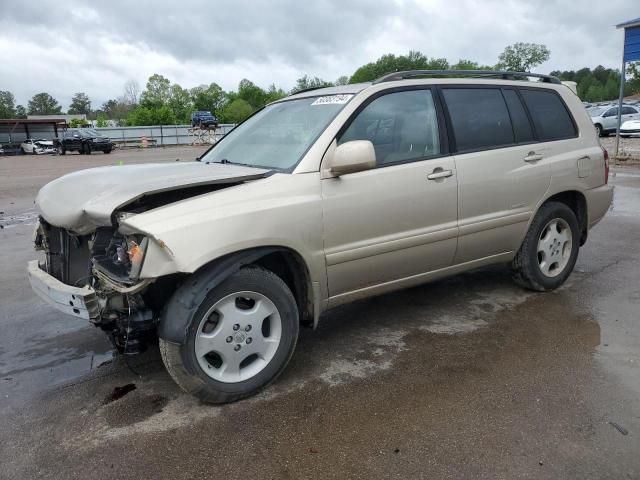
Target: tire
[61, 150]
[209, 376]
[545, 260]
[599, 130]
[87, 148]
[107, 151]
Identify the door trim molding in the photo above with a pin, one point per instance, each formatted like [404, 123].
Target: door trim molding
[391, 243]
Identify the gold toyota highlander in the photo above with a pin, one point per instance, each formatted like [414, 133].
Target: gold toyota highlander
[321, 198]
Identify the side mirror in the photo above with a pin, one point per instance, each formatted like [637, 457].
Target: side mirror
[352, 157]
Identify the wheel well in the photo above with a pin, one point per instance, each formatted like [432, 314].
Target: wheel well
[576, 202]
[291, 268]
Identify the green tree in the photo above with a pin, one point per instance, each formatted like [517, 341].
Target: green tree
[252, 94]
[157, 93]
[80, 103]
[77, 123]
[44, 104]
[141, 115]
[274, 93]
[390, 63]
[180, 103]
[522, 57]
[208, 98]
[7, 104]
[633, 82]
[101, 120]
[116, 109]
[21, 112]
[469, 65]
[236, 111]
[342, 80]
[306, 82]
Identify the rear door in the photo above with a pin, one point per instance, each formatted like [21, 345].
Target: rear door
[502, 172]
[397, 221]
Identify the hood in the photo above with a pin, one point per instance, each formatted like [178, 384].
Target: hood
[84, 200]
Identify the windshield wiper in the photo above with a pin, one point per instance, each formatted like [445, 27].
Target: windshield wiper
[229, 162]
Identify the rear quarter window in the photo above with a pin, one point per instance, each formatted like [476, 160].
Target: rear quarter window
[550, 116]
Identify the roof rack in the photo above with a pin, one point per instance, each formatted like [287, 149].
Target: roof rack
[472, 73]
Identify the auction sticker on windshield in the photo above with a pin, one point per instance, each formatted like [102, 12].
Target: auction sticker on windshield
[332, 100]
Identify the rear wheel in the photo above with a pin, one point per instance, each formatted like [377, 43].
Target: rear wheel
[241, 335]
[550, 249]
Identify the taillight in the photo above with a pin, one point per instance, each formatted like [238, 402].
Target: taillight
[606, 165]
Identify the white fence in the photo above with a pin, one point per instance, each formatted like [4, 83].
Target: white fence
[164, 135]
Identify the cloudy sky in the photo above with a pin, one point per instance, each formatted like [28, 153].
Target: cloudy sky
[71, 46]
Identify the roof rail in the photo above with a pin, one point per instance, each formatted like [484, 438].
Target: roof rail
[390, 77]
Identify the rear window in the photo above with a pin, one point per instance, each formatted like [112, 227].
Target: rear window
[549, 114]
[479, 117]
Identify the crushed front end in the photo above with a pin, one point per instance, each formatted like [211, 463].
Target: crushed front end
[96, 277]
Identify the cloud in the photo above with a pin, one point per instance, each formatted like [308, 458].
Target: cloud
[75, 46]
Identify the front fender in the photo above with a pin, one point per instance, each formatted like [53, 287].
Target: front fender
[174, 321]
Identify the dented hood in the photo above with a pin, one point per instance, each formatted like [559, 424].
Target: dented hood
[86, 199]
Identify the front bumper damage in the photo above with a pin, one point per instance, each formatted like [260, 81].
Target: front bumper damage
[81, 302]
[89, 277]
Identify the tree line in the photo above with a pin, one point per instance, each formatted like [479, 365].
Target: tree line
[164, 103]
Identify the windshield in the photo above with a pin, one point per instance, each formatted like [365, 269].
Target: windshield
[88, 133]
[597, 111]
[278, 135]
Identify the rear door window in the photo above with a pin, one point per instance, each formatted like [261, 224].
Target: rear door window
[479, 118]
[550, 116]
[628, 111]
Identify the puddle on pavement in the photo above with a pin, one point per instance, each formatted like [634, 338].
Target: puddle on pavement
[119, 392]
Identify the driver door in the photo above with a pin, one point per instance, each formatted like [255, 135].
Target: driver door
[386, 227]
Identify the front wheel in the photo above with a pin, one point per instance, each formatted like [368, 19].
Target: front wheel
[240, 337]
[550, 249]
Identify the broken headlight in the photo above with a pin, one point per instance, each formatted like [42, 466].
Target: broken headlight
[123, 255]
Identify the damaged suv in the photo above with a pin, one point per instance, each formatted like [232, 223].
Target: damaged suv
[321, 198]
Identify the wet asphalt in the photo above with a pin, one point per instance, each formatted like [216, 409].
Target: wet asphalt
[470, 377]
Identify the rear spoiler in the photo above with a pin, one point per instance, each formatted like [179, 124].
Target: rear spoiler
[573, 86]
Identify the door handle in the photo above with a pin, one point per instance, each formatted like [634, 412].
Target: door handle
[533, 157]
[439, 173]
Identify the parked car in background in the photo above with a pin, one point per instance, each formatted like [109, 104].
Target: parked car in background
[37, 147]
[322, 198]
[83, 140]
[630, 128]
[605, 118]
[203, 119]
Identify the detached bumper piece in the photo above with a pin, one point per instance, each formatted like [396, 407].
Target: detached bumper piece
[75, 301]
